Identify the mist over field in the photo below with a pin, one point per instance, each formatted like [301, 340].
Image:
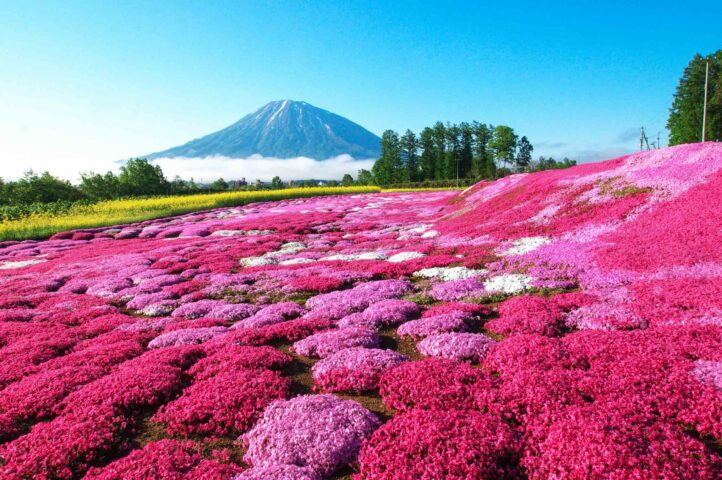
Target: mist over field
[262, 168]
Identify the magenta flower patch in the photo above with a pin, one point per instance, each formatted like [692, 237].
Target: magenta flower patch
[441, 444]
[435, 384]
[528, 314]
[226, 403]
[169, 459]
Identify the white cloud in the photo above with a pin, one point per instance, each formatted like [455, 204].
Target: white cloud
[263, 168]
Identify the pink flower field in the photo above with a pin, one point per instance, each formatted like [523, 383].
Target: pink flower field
[565, 324]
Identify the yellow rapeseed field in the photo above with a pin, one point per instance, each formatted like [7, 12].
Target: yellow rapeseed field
[118, 212]
[420, 189]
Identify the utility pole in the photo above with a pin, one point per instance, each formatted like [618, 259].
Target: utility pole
[643, 140]
[704, 109]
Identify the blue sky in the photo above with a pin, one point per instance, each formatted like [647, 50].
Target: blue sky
[83, 83]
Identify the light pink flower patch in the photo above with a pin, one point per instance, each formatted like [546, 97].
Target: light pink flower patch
[321, 432]
[456, 346]
[357, 369]
[323, 344]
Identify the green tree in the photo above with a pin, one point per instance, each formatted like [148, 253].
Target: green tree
[410, 152]
[466, 149]
[43, 188]
[219, 185]
[139, 177]
[483, 162]
[428, 154]
[503, 144]
[523, 155]
[440, 138]
[453, 151]
[550, 163]
[4, 194]
[178, 185]
[389, 169]
[365, 177]
[99, 187]
[276, 182]
[347, 180]
[685, 115]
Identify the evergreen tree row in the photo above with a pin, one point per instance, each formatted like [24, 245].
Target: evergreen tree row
[449, 151]
[685, 115]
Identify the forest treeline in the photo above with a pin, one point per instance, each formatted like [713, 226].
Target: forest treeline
[137, 178]
[468, 150]
[685, 114]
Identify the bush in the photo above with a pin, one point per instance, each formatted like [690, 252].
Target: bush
[436, 444]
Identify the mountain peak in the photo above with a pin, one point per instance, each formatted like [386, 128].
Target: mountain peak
[284, 129]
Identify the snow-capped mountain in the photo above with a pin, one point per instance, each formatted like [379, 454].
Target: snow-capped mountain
[284, 129]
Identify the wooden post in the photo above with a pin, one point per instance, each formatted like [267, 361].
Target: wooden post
[704, 109]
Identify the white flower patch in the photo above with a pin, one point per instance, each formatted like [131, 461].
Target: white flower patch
[338, 258]
[20, 264]
[227, 233]
[297, 261]
[511, 283]
[430, 234]
[234, 233]
[404, 256]
[351, 257]
[229, 213]
[149, 230]
[159, 309]
[708, 372]
[270, 258]
[449, 273]
[713, 317]
[292, 246]
[410, 232]
[544, 214]
[525, 245]
[257, 261]
[287, 249]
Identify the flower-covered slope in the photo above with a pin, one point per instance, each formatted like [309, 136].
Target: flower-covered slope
[564, 324]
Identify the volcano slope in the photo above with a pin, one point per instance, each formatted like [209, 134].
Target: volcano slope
[564, 324]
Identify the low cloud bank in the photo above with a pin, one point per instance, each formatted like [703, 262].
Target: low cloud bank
[205, 169]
